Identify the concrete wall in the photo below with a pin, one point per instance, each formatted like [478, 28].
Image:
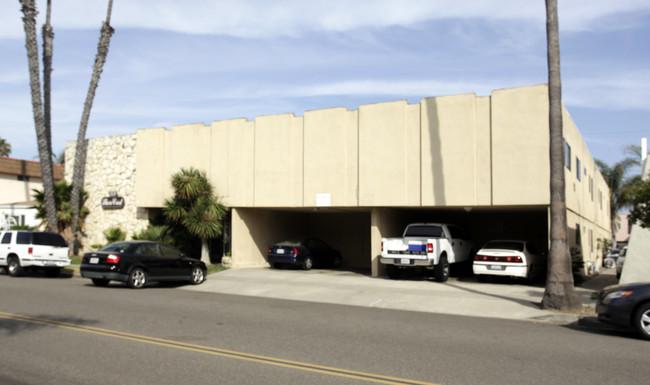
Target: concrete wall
[637, 263]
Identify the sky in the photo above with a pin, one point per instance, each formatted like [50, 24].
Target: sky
[176, 62]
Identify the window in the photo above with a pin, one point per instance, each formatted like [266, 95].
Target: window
[23, 178]
[591, 188]
[6, 238]
[567, 155]
[169, 251]
[578, 169]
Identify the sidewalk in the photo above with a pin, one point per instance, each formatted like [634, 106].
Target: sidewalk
[502, 299]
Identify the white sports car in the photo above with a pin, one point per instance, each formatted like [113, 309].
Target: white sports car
[509, 258]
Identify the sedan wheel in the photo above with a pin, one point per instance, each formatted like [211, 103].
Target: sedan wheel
[642, 321]
[307, 263]
[137, 279]
[198, 275]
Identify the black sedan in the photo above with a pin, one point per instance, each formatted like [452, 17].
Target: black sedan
[627, 306]
[139, 262]
[305, 253]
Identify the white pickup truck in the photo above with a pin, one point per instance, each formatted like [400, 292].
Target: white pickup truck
[429, 245]
[24, 249]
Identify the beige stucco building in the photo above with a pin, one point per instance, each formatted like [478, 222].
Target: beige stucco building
[352, 177]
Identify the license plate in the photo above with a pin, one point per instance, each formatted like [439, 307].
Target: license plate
[405, 261]
[280, 251]
[496, 267]
[94, 260]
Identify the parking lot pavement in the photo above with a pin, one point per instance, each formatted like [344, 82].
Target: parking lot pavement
[506, 299]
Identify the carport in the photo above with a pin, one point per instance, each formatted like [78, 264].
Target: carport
[357, 232]
[345, 229]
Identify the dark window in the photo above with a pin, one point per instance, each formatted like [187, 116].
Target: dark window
[425, 231]
[456, 232]
[148, 249]
[169, 251]
[23, 178]
[49, 239]
[578, 169]
[23, 238]
[567, 155]
[116, 247]
[504, 245]
[6, 238]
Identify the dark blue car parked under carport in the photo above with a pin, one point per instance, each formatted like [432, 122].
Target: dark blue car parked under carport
[305, 253]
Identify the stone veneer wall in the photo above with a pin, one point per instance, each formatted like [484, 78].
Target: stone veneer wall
[110, 167]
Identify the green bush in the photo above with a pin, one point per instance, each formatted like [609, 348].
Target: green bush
[114, 234]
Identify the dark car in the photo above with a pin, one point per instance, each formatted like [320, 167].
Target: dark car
[626, 306]
[305, 253]
[139, 262]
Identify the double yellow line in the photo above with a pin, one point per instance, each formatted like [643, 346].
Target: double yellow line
[214, 351]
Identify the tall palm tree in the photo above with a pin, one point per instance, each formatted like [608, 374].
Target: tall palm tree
[618, 183]
[559, 292]
[43, 136]
[80, 154]
[5, 147]
[195, 207]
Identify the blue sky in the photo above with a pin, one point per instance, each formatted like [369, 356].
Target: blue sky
[173, 62]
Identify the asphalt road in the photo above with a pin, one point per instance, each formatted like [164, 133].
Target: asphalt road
[66, 331]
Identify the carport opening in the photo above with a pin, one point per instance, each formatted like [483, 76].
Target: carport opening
[348, 231]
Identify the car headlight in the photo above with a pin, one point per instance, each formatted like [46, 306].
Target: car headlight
[617, 294]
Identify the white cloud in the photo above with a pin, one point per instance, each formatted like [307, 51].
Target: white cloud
[263, 18]
[614, 91]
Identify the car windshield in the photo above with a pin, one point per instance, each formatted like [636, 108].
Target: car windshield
[290, 242]
[504, 245]
[116, 247]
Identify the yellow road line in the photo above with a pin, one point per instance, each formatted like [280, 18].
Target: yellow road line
[218, 352]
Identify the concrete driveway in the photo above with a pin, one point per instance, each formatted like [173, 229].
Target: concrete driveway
[508, 299]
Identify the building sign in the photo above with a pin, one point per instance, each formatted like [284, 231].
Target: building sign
[113, 201]
[323, 200]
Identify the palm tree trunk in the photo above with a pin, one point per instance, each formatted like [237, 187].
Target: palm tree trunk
[80, 154]
[48, 36]
[559, 292]
[205, 252]
[43, 137]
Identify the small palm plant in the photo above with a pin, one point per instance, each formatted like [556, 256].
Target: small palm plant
[195, 207]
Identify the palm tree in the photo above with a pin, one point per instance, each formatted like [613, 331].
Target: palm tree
[5, 148]
[559, 292]
[62, 191]
[195, 207]
[615, 177]
[42, 134]
[80, 154]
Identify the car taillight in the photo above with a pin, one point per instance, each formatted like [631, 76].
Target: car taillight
[382, 246]
[489, 258]
[30, 250]
[295, 251]
[268, 251]
[430, 248]
[113, 258]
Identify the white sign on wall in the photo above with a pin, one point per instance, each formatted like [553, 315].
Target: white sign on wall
[323, 200]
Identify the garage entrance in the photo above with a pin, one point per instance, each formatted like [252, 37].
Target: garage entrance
[347, 230]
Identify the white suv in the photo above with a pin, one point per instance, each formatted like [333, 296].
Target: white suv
[24, 249]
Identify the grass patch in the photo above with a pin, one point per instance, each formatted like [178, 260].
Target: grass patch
[216, 268]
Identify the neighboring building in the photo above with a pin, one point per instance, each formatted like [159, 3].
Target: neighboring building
[624, 227]
[19, 178]
[353, 177]
[637, 257]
